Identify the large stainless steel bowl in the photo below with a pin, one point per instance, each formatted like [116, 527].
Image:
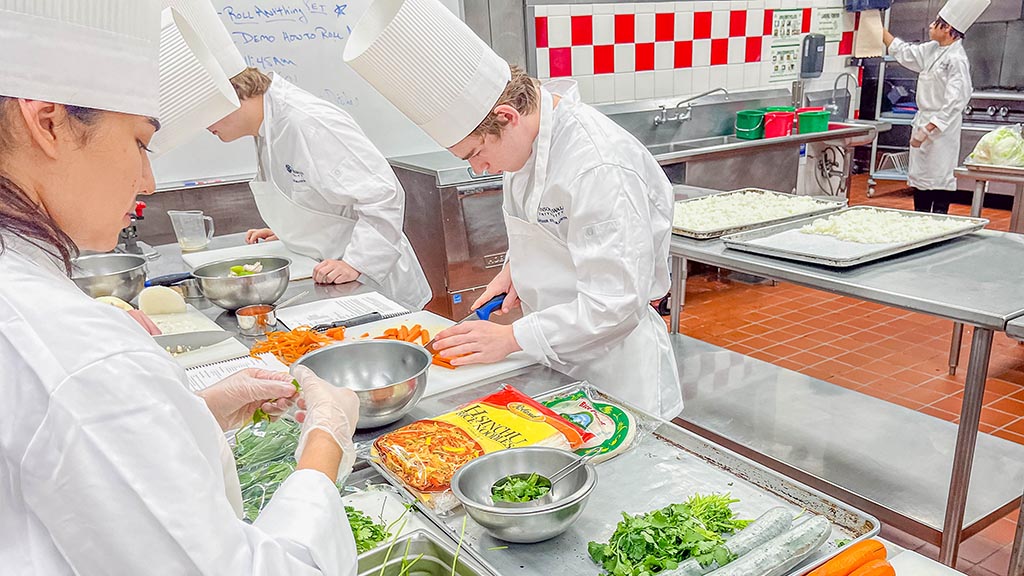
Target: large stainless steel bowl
[526, 525]
[233, 292]
[388, 376]
[121, 275]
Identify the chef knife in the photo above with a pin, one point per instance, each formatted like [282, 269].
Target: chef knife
[481, 313]
[191, 341]
[350, 322]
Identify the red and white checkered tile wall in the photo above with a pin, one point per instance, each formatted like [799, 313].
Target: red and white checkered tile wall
[624, 51]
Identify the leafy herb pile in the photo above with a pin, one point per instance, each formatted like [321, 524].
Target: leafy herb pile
[518, 489]
[650, 543]
[368, 533]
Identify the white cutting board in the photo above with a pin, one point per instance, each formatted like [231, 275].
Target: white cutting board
[440, 379]
[908, 563]
[193, 320]
[301, 268]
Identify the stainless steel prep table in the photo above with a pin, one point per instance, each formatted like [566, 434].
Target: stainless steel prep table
[964, 280]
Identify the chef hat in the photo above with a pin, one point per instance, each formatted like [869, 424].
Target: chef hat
[98, 54]
[961, 14]
[429, 64]
[195, 88]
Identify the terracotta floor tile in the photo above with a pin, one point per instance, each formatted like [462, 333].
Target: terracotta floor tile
[1017, 427]
[827, 350]
[1009, 405]
[782, 350]
[997, 418]
[1008, 435]
[944, 386]
[923, 395]
[941, 414]
[950, 404]
[742, 348]
[855, 359]
[1001, 386]
[906, 402]
[894, 387]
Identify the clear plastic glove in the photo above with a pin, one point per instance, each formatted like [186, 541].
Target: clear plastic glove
[234, 399]
[329, 408]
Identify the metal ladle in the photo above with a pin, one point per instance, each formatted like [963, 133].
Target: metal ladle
[548, 481]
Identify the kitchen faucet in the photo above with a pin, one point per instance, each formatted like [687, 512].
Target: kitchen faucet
[832, 105]
[662, 117]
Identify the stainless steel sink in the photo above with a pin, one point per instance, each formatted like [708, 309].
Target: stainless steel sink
[848, 134]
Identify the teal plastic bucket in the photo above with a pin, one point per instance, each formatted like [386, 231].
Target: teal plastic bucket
[750, 124]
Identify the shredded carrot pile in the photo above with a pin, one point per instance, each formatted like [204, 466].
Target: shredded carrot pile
[416, 335]
[290, 346]
[426, 453]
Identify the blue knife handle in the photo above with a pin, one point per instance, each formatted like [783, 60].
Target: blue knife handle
[484, 312]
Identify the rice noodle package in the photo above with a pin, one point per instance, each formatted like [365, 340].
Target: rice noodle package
[425, 454]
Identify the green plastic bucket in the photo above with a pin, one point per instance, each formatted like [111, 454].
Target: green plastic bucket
[779, 109]
[750, 124]
[813, 121]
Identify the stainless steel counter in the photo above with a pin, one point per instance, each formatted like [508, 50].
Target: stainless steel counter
[965, 280]
[1015, 328]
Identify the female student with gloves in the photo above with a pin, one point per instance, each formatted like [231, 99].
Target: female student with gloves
[943, 90]
[108, 463]
[323, 188]
[587, 208]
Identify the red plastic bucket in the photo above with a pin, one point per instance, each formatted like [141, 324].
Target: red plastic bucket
[778, 124]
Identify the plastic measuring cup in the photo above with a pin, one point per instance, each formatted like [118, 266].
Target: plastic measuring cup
[190, 228]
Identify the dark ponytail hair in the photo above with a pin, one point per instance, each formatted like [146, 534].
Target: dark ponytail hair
[22, 218]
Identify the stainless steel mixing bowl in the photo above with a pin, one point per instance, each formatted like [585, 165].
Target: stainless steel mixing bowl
[526, 525]
[233, 292]
[388, 376]
[120, 275]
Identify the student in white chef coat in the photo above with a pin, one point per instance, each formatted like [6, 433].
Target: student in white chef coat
[943, 90]
[108, 463]
[587, 208]
[323, 188]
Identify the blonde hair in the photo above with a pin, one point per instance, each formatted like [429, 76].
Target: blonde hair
[521, 93]
[250, 82]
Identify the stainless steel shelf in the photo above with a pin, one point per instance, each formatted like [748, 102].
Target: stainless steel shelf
[889, 175]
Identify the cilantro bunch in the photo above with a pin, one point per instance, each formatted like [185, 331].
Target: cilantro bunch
[517, 489]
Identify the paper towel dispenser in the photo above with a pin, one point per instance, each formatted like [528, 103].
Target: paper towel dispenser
[812, 61]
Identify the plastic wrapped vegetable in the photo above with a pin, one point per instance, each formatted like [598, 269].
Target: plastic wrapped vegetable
[1000, 147]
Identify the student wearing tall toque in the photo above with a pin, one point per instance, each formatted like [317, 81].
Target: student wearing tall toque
[587, 208]
[322, 187]
[943, 90]
[109, 463]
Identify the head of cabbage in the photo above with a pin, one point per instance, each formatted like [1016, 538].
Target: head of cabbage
[1001, 147]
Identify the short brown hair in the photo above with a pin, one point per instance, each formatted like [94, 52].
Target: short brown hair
[250, 82]
[521, 93]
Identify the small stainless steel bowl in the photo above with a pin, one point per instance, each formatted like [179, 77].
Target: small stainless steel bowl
[233, 292]
[388, 376]
[120, 275]
[524, 525]
[256, 320]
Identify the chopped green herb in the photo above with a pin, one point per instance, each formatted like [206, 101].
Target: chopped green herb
[843, 542]
[519, 489]
[368, 534]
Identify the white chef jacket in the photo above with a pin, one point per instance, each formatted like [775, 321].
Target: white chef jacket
[606, 203]
[320, 158]
[943, 90]
[110, 465]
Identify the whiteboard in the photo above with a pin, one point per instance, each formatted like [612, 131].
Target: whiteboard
[301, 41]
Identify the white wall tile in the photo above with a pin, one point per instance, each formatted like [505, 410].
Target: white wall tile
[604, 29]
[663, 7]
[718, 76]
[703, 6]
[791, 4]
[582, 60]
[831, 49]
[644, 85]
[645, 26]
[559, 10]
[604, 8]
[701, 80]
[664, 55]
[682, 82]
[646, 7]
[721, 5]
[684, 26]
[772, 4]
[585, 85]
[719, 24]
[664, 83]
[559, 31]
[604, 88]
[701, 53]
[766, 74]
[625, 8]
[737, 51]
[581, 9]
[755, 4]
[734, 77]
[755, 22]
[821, 3]
[625, 58]
[625, 87]
[543, 63]
[752, 75]
[684, 6]
[849, 21]
[540, 11]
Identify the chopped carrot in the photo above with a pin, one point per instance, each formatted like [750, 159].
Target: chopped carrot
[365, 335]
[403, 333]
[414, 333]
[290, 346]
[336, 333]
[424, 338]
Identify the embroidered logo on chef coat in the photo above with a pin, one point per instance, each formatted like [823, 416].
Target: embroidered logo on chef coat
[551, 215]
[298, 176]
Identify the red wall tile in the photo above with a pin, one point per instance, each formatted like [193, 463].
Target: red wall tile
[846, 44]
[625, 28]
[701, 25]
[753, 49]
[561, 62]
[719, 51]
[542, 31]
[604, 59]
[805, 26]
[582, 30]
[768, 15]
[664, 27]
[738, 23]
[644, 57]
[684, 54]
